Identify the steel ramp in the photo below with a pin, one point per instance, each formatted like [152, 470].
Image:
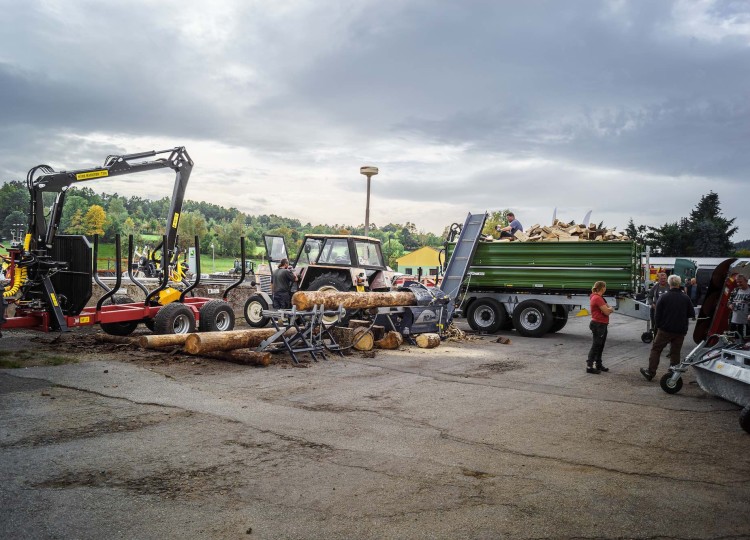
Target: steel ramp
[466, 246]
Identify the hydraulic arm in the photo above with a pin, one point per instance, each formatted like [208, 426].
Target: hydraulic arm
[54, 271]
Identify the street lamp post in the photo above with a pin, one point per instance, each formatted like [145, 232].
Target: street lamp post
[213, 258]
[369, 171]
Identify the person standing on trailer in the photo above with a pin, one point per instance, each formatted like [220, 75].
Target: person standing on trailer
[673, 312]
[600, 312]
[282, 280]
[739, 303]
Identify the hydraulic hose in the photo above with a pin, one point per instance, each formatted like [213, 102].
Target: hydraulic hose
[19, 277]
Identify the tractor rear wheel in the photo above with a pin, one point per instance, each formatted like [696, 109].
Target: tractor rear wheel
[124, 328]
[174, 318]
[216, 316]
[331, 281]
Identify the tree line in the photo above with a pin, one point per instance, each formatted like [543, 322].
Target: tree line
[705, 232]
[87, 212]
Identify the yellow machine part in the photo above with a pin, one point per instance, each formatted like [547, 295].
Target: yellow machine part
[19, 277]
[169, 295]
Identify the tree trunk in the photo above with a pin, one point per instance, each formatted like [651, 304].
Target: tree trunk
[344, 338]
[378, 332]
[363, 340]
[157, 341]
[428, 341]
[226, 341]
[246, 358]
[305, 300]
[392, 340]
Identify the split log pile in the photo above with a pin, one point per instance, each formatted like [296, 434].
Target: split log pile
[560, 231]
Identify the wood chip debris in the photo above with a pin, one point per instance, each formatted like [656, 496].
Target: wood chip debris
[560, 231]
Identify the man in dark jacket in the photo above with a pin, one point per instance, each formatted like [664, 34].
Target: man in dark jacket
[673, 312]
[282, 280]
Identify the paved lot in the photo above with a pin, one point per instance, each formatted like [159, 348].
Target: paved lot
[471, 440]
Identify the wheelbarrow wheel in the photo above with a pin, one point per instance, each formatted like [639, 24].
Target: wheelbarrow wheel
[670, 386]
[647, 337]
[745, 419]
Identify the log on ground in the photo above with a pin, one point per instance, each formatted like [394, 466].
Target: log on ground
[427, 341]
[392, 341]
[157, 341]
[226, 341]
[306, 300]
[363, 340]
[246, 358]
[344, 337]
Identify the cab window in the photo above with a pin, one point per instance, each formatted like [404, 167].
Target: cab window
[368, 254]
[309, 252]
[335, 251]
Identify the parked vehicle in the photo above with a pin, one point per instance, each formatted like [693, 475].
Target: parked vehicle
[533, 286]
[324, 262]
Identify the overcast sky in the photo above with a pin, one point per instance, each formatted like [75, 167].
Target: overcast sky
[630, 109]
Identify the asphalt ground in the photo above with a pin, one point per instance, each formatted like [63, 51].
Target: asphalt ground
[473, 439]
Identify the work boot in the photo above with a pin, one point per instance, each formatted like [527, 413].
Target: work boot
[591, 369]
[647, 374]
[601, 367]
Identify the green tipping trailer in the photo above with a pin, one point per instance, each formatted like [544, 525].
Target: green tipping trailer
[554, 266]
[533, 286]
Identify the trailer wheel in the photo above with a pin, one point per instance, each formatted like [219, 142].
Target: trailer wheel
[668, 385]
[216, 316]
[254, 311]
[124, 328]
[560, 318]
[745, 419]
[174, 318]
[486, 315]
[647, 337]
[532, 318]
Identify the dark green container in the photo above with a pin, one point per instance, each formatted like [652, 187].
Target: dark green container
[553, 266]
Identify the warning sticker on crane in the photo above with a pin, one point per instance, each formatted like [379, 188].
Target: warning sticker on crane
[92, 174]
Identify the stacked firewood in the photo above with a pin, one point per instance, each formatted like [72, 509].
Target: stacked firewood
[560, 231]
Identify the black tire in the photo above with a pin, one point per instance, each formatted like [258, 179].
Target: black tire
[174, 318]
[254, 308]
[532, 318]
[559, 318]
[647, 337]
[216, 316]
[669, 386]
[334, 281]
[745, 419]
[124, 328]
[330, 280]
[486, 315]
[149, 323]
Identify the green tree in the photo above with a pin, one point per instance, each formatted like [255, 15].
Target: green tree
[10, 225]
[76, 223]
[706, 233]
[711, 232]
[637, 233]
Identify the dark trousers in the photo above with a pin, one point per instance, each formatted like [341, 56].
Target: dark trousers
[661, 340]
[282, 300]
[741, 329]
[599, 333]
